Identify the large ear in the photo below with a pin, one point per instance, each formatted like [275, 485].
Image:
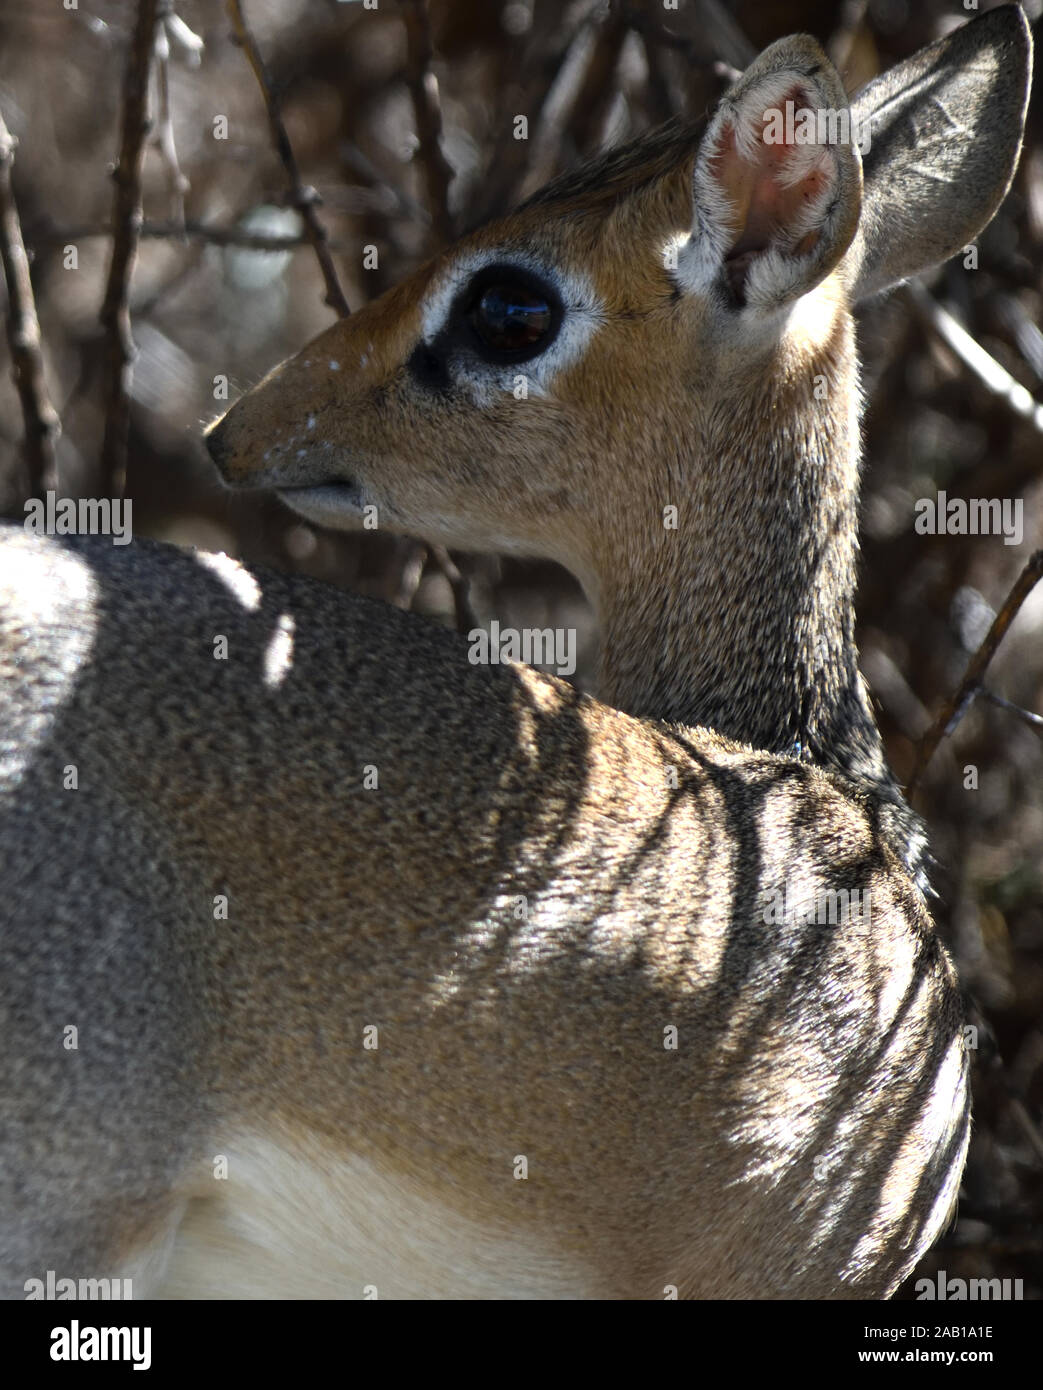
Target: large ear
[945, 130]
[777, 182]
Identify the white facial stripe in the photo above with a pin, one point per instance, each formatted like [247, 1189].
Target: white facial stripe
[583, 314]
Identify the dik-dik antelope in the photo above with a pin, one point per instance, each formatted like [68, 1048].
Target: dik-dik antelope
[496, 1004]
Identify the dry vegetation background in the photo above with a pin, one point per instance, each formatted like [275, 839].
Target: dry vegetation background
[586, 74]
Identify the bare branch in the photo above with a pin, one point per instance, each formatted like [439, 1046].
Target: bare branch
[437, 170]
[1027, 1125]
[664, 101]
[193, 231]
[992, 376]
[716, 24]
[842, 44]
[126, 220]
[560, 102]
[466, 621]
[543, 67]
[1034, 721]
[42, 426]
[706, 33]
[179, 184]
[404, 574]
[963, 697]
[599, 92]
[427, 111]
[303, 198]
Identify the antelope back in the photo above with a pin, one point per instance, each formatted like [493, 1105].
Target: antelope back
[515, 1022]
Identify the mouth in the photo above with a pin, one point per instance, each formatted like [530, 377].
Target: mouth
[337, 505]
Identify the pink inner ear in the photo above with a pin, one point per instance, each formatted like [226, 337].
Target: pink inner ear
[769, 187]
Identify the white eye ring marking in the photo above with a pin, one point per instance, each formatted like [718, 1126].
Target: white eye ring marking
[582, 315]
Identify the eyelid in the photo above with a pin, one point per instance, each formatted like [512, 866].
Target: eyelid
[499, 273]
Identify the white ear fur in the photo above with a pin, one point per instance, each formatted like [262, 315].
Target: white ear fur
[773, 216]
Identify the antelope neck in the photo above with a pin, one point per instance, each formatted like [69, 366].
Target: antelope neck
[742, 620]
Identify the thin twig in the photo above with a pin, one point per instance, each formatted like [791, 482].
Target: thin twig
[126, 220]
[42, 426]
[428, 117]
[193, 231]
[661, 96]
[707, 33]
[717, 24]
[600, 90]
[960, 701]
[427, 112]
[304, 199]
[992, 376]
[560, 103]
[409, 559]
[1028, 1125]
[539, 78]
[1027, 335]
[438, 175]
[1035, 721]
[842, 44]
[466, 621]
[180, 275]
[361, 164]
[165, 142]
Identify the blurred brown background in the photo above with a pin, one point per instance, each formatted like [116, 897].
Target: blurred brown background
[586, 74]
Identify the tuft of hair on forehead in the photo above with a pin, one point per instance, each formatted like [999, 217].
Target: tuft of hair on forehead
[627, 168]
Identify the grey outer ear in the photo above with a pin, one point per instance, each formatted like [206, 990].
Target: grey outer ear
[945, 137]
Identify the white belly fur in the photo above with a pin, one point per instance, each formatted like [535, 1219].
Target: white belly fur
[325, 1226]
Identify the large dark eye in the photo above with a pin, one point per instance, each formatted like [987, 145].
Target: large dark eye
[512, 318]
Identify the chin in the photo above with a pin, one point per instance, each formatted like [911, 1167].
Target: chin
[338, 506]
